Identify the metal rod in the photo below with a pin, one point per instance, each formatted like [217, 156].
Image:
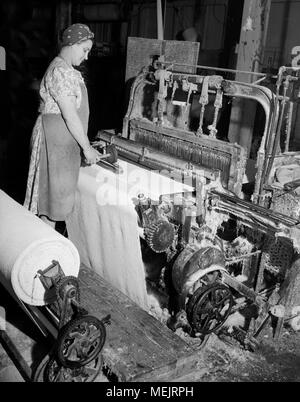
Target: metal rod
[258, 81]
[15, 356]
[288, 127]
[242, 289]
[262, 325]
[219, 69]
[241, 258]
[245, 206]
[276, 142]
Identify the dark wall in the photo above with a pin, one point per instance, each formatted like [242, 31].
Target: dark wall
[105, 83]
[232, 33]
[27, 36]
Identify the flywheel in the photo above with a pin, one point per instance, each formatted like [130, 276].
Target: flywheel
[209, 307]
[80, 341]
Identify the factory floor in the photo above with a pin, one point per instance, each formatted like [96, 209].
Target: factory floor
[223, 361]
[22, 333]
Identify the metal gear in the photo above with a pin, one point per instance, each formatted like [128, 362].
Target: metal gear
[68, 297]
[160, 236]
[49, 370]
[80, 341]
[65, 285]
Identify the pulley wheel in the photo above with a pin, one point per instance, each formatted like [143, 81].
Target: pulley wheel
[80, 341]
[209, 307]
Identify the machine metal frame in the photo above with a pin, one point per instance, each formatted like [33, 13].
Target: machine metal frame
[155, 139]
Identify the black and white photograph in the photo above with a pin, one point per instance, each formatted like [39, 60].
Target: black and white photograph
[150, 194]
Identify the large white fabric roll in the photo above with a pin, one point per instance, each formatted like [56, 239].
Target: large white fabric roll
[27, 245]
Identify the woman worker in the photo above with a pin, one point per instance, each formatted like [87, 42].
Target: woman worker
[60, 133]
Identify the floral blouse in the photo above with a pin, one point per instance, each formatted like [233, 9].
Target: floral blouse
[59, 80]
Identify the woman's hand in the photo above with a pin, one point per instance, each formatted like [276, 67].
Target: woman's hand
[91, 155]
[68, 109]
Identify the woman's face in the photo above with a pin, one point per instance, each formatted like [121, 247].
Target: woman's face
[81, 51]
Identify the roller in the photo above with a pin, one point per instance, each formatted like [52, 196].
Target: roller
[28, 245]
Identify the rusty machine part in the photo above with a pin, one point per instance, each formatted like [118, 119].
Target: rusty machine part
[196, 268]
[209, 307]
[196, 276]
[159, 233]
[51, 371]
[76, 353]
[195, 263]
[159, 236]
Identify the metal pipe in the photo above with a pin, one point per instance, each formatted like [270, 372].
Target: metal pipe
[276, 142]
[288, 127]
[219, 69]
[237, 205]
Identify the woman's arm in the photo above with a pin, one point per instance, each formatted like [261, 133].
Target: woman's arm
[69, 113]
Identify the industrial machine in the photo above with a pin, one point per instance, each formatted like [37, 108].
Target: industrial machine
[227, 244]
[233, 242]
[75, 355]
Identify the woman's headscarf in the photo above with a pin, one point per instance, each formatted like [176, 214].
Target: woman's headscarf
[76, 33]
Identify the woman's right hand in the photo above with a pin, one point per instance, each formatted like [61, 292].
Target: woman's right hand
[91, 155]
